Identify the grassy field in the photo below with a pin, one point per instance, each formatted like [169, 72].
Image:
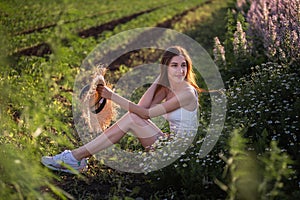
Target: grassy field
[43, 44]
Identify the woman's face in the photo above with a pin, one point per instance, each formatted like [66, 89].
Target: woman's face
[177, 69]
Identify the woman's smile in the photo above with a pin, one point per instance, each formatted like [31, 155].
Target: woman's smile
[180, 76]
[177, 69]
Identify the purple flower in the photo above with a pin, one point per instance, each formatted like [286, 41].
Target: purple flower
[275, 24]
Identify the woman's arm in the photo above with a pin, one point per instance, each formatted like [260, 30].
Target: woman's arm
[145, 113]
[107, 93]
[180, 100]
[150, 98]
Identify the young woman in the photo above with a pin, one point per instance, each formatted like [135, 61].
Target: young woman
[172, 95]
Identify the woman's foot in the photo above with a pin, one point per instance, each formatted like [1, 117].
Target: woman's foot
[65, 162]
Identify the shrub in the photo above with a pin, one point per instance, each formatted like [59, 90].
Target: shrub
[266, 104]
[266, 99]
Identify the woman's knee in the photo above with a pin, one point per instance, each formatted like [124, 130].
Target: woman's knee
[130, 121]
[137, 120]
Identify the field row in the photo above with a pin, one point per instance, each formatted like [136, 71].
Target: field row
[101, 24]
[36, 15]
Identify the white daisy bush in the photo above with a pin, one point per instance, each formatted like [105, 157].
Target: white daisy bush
[267, 100]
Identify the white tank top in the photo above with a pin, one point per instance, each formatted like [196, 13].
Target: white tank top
[183, 120]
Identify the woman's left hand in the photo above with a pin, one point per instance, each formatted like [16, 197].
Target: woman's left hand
[104, 91]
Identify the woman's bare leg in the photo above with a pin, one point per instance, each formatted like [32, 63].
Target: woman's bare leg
[146, 131]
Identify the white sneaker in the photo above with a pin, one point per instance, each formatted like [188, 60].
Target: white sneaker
[65, 162]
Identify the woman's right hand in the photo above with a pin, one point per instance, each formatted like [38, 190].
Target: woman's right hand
[104, 91]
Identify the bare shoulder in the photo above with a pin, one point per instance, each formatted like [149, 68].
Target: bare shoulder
[186, 92]
[189, 90]
[189, 98]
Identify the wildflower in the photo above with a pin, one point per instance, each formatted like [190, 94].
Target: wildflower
[276, 24]
[219, 52]
[240, 42]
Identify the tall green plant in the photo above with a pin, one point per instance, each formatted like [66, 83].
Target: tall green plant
[21, 177]
[251, 176]
[241, 170]
[276, 165]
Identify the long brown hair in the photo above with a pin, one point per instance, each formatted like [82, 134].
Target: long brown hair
[165, 61]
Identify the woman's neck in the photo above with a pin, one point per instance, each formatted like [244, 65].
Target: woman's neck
[177, 86]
